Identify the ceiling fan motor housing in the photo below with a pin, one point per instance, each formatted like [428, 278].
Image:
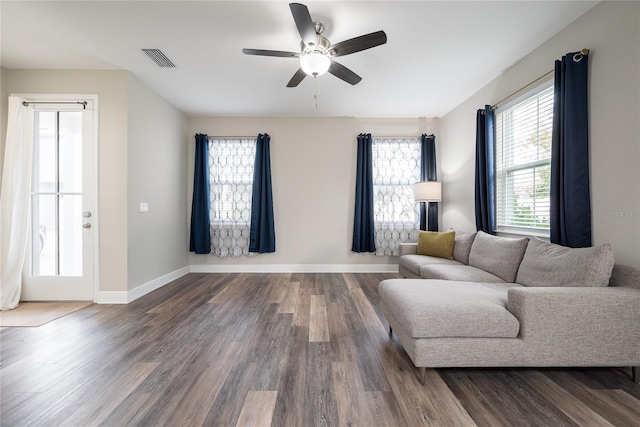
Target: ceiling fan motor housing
[322, 45]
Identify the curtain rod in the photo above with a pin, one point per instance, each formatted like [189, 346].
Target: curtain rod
[395, 137]
[232, 137]
[577, 58]
[83, 103]
[400, 137]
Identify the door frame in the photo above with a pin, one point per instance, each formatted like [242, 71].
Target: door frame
[94, 164]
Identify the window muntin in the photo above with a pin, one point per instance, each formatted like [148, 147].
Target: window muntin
[523, 163]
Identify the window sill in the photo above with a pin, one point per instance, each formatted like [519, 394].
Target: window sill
[520, 232]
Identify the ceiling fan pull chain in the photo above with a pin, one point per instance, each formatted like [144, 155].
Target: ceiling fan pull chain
[315, 94]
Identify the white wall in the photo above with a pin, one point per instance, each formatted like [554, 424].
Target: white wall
[313, 166]
[156, 169]
[111, 88]
[611, 30]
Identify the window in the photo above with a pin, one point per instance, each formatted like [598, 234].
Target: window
[523, 163]
[231, 162]
[396, 167]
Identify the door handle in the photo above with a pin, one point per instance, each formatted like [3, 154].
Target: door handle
[87, 225]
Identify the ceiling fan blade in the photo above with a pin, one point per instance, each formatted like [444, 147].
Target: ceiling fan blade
[342, 72]
[357, 44]
[304, 23]
[278, 53]
[297, 78]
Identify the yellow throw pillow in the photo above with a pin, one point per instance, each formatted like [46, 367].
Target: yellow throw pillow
[436, 244]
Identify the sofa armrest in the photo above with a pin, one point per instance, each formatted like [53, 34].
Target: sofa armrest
[408, 248]
[579, 318]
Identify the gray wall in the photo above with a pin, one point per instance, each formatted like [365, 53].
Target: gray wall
[133, 122]
[156, 168]
[111, 88]
[313, 159]
[611, 30]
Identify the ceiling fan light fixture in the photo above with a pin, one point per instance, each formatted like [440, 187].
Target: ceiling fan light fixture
[315, 63]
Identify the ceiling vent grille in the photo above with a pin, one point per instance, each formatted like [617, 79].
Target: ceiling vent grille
[157, 56]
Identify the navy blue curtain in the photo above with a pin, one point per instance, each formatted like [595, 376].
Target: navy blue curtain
[485, 180]
[363, 231]
[428, 172]
[200, 237]
[262, 235]
[570, 218]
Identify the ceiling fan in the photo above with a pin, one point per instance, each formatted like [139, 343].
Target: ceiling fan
[317, 53]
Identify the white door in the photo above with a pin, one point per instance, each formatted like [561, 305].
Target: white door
[60, 255]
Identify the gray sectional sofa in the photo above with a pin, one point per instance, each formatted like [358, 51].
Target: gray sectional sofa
[504, 302]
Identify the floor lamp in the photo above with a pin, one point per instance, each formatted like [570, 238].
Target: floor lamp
[427, 191]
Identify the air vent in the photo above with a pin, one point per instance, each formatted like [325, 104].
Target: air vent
[159, 58]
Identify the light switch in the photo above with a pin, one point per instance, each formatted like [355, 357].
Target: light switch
[144, 207]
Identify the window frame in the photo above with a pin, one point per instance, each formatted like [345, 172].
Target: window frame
[396, 183]
[212, 183]
[502, 174]
[410, 228]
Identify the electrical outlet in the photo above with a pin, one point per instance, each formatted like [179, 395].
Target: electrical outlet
[144, 207]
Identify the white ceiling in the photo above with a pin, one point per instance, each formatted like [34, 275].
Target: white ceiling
[438, 52]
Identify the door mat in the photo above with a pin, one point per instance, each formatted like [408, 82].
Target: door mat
[31, 314]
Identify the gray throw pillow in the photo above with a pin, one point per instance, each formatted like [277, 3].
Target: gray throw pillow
[462, 246]
[548, 264]
[498, 255]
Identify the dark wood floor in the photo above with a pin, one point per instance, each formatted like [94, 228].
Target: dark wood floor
[273, 349]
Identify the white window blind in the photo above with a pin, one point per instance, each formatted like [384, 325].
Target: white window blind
[523, 163]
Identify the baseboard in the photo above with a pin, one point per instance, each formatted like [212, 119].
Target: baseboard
[294, 268]
[151, 286]
[125, 297]
[112, 297]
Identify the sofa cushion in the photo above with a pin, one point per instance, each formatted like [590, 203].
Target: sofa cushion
[548, 264]
[462, 246]
[623, 275]
[463, 273]
[498, 255]
[436, 244]
[407, 249]
[438, 308]
[413, 263]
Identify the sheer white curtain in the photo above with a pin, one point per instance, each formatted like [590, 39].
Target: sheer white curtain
[15, 200]
[396, 167]
[231, 162]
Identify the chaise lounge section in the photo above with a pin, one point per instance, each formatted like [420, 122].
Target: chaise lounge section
[515, 303]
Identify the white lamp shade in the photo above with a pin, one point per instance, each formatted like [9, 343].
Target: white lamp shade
[315, 63]
[427, 191]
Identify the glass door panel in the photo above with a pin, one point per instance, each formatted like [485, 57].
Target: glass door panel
[70, 151]
[70, 235]
[44, 231]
